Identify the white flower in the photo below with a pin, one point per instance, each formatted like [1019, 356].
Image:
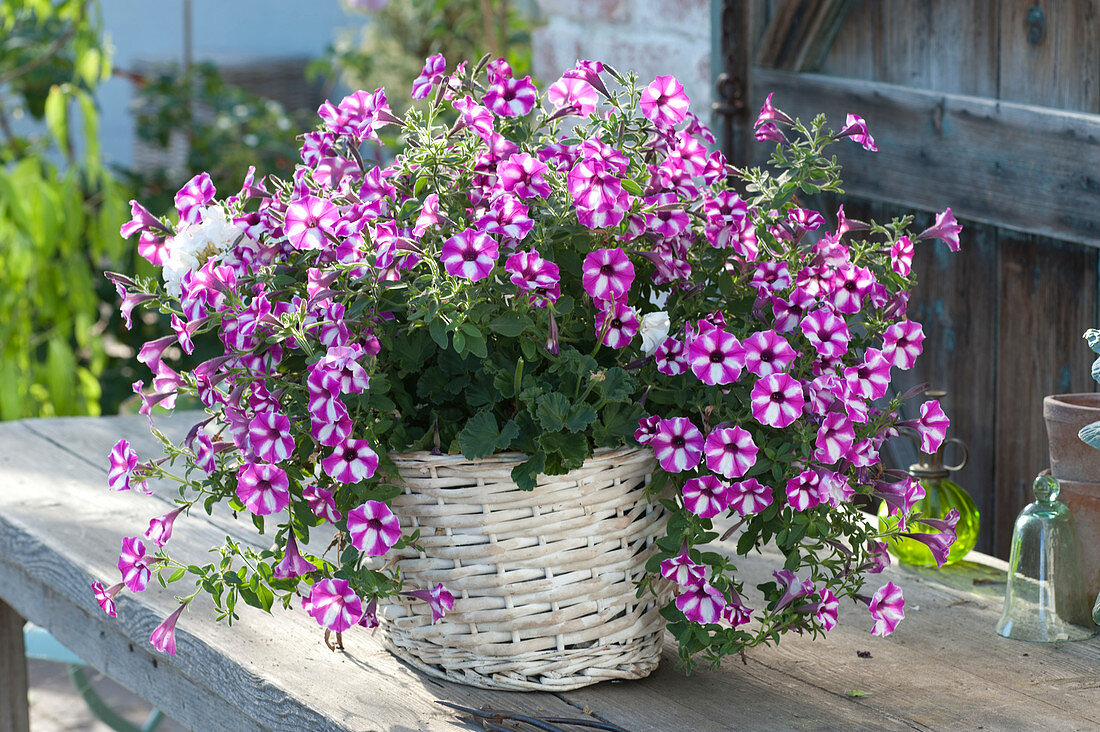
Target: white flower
[654, 331]
[195, 243]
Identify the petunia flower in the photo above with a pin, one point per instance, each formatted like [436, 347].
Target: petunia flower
[134, 565]
[939, 543]
[573, 96]
[766, 352]
[769, 131]
[352, 461]
[535, 275]
[160, 528]
[310, 221]
[803, 490]
[522, 176]
[269, 437]
[607, 274]
[122, 467]
[262, 488]
[647, 428]
[476, 117]
[771, 276]
[373, 528]
[826, 608]
[792, 587]
[439, 599]
[677, 444]
[901, 343]
[777, 400]
[469, 254]
[901, 256]
[333, 604]
[851, 285]
[946, 228]
[163, 636]
[509, 97]
[293, 563]
[428, 216]
[834, 488]
[856, 128]
[750, 496]
[664, 102]
[597, 193]
[715, 356]
[870, 379]
[880, 557]
[321, 503]
[670, 357]
[430, 75]
[701, 604]
[932, 426]
[618, 324]
[835, 438]
[105, 596]
[705, 496]
[790, 311]
[193, 197]
[730, 451]
[887, 607]
[684, 572]
[768, 113]
[654, 331]
[507, 217]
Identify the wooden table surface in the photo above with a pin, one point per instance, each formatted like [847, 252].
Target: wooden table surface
[60, 528]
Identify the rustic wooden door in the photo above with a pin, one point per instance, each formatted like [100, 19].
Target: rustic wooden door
[991, 108]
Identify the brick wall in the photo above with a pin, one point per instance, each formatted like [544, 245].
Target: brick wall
[650, 37]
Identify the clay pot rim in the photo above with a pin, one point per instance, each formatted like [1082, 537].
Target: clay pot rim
[1086, 401]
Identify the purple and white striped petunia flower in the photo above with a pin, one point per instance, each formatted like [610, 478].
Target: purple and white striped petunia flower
[827, 333]
[706, 496]
[887, 607]
[750, 496]
[598, 194]
[469, 254]
[901, 256]
[163, 636]
[793, 588]
[476, 117]
[902, 343]
[835, 438]
[263, 489]
[293, 563]
[509, 97]
[664, 102]
[333, 604]
[851, 285]
[618, 324]
[160, 528]
[134, 564]
[122, 465]
[607, 274]
[430, 75]
[684, 572]
[677, 444]
[522, 176]
[939, 543]
[507, 217]
[647, 428]
[715, 356]
[827, 608]
[321, 503]
[777, 400]
[310, 221]
[194, 195]
[767, 352]
[730, 451]
[439, 599]
[701, 604]
[352, 461]
[946, 228]
[105, 596]
[856, 128]
[574, 94]
[373, 528]
[870, 379]
[535, 275]
[835, 488]
[270, 438]
[803, 490]
[670, 357]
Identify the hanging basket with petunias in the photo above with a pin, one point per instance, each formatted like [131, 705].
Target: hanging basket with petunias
[495, 392]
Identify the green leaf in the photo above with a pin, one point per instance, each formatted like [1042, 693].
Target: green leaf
[526, 474]
[565, 451]
[1090, 435]
[580, 416]
[510, 324]
[481, 437]
[617, 386]
[459, 342]
[631, 187]
[551, 410]
[438, 332]
[57, 116]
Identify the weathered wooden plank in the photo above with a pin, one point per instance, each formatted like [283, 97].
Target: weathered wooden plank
[14, 712]
[1050, 53]
[60, 528]
[943, 45]
[1047, 301]
[799, 35]
[1024, 168]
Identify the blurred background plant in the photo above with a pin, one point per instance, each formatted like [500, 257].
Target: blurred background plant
[390, 49]
[60, 210]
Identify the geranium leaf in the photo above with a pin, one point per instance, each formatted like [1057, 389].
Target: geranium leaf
[551, 410]
[526, 474]
[510, 324]
[479, 437]
[579, 417]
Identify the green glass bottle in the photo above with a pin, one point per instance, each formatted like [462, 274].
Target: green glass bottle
[940, 496]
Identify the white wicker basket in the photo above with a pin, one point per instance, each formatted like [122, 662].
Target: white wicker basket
[544, 580]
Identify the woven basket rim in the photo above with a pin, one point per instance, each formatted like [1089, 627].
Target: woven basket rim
[504, 458]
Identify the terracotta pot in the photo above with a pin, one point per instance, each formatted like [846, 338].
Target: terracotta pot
[1065, 415]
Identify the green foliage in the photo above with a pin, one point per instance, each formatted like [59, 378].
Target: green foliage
[58, 223]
